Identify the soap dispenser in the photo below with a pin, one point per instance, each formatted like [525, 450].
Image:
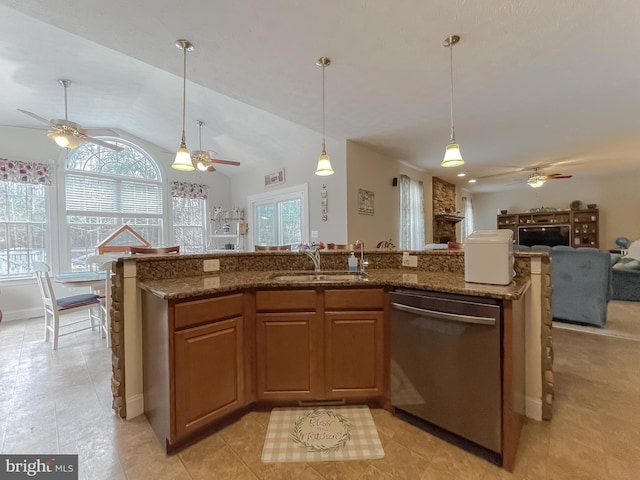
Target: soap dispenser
[353, 263]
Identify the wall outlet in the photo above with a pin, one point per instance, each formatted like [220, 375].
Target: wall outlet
[314, 233]
[409, 260]
[212, 265]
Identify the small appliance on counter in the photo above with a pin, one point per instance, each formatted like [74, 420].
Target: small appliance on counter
[488, 257]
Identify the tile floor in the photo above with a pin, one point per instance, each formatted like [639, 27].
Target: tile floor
[60, 402]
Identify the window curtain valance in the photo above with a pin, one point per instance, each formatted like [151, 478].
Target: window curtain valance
[189, 190]
[25, 172]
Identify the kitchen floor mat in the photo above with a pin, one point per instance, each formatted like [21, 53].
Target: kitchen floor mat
[321, 434]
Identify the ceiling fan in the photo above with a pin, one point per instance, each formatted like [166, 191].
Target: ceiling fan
[203, 160]
[537, 178]
[69, 134]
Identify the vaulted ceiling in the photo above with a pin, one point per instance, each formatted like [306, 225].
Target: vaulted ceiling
[537, 83]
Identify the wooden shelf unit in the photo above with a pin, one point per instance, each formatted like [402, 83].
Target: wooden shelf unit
[583, 224]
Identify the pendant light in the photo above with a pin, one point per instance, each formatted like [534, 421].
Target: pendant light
[183, 156]
[452, 155]
[324, 164]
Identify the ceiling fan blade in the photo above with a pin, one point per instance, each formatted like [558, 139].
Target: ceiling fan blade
[100, 132]
[558, 176]
[224, 162]
[101, 143]
[37, 117]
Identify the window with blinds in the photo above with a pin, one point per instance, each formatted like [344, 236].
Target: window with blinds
[104, 190]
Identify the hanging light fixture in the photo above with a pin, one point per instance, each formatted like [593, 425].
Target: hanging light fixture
[452, 155]
[183, 156]
[200, 157]
[536, 180]
[63, 134]
[324, 164]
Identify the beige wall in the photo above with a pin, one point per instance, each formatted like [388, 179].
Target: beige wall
[373, 171]
[617, 197]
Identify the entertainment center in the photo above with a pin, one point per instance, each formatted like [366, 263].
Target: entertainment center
[576, 228]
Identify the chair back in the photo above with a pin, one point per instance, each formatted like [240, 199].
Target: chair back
[272, 247]
[99, 262]
[44, 284]
[145, 250]
[341, 246]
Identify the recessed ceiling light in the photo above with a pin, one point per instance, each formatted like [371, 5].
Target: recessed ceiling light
[472, 180]
[462, 174]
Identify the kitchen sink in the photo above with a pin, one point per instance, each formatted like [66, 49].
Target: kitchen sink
[320, 277]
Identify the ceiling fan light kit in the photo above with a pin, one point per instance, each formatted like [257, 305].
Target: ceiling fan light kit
[202, 159]
[452, 155]
[68, 134]
[324, 163]
[183, 161]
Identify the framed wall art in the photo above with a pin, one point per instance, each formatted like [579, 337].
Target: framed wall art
[274, 178]
[365, 202]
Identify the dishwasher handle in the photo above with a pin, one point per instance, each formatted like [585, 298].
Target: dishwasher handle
[454, 317]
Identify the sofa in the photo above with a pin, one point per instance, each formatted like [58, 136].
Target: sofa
[626, 275]
[581, 284]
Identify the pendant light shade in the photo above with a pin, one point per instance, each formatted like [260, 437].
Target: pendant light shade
[452, 155]
[324, 164]
[183, 160]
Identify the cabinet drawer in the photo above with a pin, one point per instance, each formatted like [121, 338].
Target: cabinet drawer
[188, 314]
[286, 300]
[354, 299]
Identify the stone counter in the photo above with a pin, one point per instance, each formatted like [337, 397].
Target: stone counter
[207, 284]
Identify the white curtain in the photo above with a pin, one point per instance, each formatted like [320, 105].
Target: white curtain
[411, 214]
[467, 223]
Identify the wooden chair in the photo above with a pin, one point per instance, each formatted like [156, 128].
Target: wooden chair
[54, 307]
[148, 250]
[103, 263]
[341, 246]
[272, 247]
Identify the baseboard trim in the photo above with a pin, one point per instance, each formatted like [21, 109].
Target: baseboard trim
[135, 406]
[533, 408]
[26, 314]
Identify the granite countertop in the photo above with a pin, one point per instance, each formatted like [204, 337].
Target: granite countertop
[187, 287]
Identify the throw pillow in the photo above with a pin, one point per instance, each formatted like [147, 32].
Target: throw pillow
[615, 257]
[632, 265]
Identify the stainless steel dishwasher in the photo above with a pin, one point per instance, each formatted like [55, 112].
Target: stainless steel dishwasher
[445, 362]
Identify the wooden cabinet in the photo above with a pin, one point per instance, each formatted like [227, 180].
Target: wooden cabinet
[582, 225]
[193, 359]
[354, 356]
[287, 331]
[317, 344]
[208, 374]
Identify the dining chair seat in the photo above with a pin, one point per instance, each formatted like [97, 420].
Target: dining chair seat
[272, 248]
[54, 308]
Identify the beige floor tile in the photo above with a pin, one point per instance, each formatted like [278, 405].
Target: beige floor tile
[220, 463]
[374, 473]
[340, 470]
[400, 462]
[60, 402]
[452, 462]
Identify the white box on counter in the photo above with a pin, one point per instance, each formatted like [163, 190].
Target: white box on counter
[488, 257]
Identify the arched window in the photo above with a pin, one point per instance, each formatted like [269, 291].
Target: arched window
[103, 190]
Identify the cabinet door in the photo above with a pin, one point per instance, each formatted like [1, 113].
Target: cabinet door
[209, 379]
[354, 357]
[287, 356]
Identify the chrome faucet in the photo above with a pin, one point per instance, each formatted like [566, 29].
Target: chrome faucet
[363, 262]
[314, 252]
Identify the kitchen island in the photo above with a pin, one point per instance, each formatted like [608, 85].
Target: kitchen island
[238, 321]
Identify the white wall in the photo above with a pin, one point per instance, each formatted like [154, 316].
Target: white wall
[300, 165]
[370, 170]
[616, 195]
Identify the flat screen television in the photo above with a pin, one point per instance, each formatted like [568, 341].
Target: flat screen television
[548, 235]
